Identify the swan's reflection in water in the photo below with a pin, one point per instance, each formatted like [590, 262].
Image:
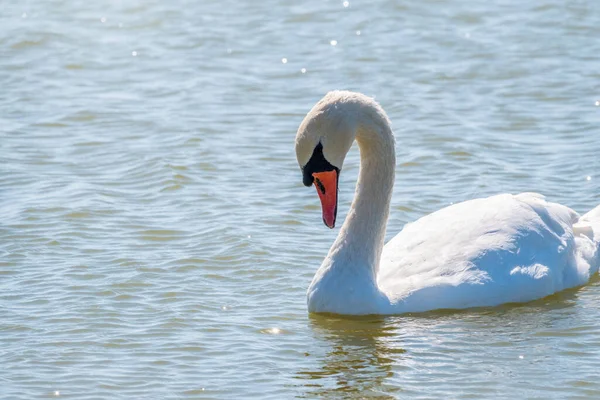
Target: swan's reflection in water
[427, 355]
[359, 358]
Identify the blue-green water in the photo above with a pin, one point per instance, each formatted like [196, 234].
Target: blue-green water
[155, 237]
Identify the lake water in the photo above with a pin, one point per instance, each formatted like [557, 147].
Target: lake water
[156, 241]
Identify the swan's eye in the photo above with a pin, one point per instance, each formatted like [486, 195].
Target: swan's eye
[320, 185]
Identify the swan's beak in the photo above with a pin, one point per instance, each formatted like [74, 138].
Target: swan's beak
[327, 189]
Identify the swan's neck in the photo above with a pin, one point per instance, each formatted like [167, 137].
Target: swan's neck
[360, 241]
[346, 282]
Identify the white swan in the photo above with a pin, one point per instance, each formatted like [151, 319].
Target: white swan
[482, 252]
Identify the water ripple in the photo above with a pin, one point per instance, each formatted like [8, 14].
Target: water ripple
[156, 239]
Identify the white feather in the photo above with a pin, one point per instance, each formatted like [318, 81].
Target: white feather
[482, 252]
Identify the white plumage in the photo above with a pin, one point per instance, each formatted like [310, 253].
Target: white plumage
[482, 252]
[486, 252]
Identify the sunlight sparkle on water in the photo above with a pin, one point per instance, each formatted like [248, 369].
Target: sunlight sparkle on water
[130, 209]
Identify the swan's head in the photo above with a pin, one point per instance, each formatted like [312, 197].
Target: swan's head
[322, 142]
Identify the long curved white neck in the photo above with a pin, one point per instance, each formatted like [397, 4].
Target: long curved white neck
[359, 244]
[346, 282]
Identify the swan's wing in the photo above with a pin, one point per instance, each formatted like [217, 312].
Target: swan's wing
[484, 252]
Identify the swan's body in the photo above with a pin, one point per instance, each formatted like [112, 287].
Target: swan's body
[481, 252]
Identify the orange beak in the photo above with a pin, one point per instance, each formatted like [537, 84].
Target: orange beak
[327, 189]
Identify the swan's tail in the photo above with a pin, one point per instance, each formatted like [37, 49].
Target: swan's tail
[587, 237]
[589, 225]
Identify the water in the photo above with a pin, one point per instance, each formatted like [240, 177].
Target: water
[156, 240]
